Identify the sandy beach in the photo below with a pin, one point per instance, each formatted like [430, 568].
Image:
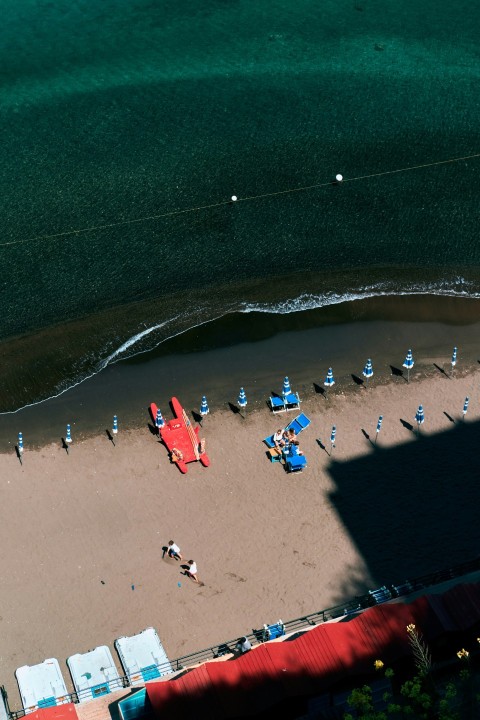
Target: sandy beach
[85, 530]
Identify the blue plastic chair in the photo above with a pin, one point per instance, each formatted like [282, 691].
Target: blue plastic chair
[295, 463]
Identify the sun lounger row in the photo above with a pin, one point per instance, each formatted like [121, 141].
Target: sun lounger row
[94, 673]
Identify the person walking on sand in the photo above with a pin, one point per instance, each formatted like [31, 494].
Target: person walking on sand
[174, 550]
[191, 570]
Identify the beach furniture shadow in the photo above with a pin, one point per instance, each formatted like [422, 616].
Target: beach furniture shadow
[110, 436]
[153, 429]
[234, 408]
[407, 425]
[440, 369]
[197, 417]
[321, 445]
[18, 454]
[319, 389]
[357, 380]
[449, 417]
[396, 371]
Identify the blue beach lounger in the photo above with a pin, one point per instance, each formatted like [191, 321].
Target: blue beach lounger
[292, 401]
[298, 424]
[277, 404]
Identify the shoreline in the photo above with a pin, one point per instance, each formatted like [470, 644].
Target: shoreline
[40, 363]
[256, 351]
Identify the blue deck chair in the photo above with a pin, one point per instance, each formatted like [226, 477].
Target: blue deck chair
[277, 404]
[298, 424]
[270, 632]
[292, 401]
[295, 463]
[380, 595]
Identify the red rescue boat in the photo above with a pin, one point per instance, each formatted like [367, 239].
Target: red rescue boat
[181, 438]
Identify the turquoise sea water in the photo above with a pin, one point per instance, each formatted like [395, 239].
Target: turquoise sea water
[114, 111]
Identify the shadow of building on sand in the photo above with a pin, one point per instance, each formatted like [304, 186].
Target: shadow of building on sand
[411, 509]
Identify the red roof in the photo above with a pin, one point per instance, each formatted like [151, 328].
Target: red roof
[311, 663]
[57, 712]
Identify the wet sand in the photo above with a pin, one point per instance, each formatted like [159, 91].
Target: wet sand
[82, 528]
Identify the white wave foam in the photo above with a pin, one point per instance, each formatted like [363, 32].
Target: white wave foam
[305, 301]
[133, 341]
[310, 301]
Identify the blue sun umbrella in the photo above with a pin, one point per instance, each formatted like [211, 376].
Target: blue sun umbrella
[20, 443]
[242, 399]
[159, 421]
[204, 409]
[420, 416]
[465, 406]
[329, 380]
[368, 370]
[68, 437]
[379, 427]
[115, 425]
[454, 358]
[409, 363]
[286, 387]
[332, 437]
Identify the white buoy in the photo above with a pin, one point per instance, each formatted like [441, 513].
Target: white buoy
[234, 198]
[339, 177]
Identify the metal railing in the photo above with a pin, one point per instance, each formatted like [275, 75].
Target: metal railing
[256, 637]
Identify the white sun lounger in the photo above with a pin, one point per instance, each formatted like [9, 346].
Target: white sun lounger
[143, 657]
[94, 673]
[41, 685]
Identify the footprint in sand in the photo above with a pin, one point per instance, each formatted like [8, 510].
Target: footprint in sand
[236, 577]
[309, 564]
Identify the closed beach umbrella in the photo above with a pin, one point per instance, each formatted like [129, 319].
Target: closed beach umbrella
[115, 425]
[242, 399]
[379, 426]
[332, 436]
[68, 437]
[20, 442]
[465, 406]
[204, 409]
[286, 387]
[159, 421]
[368, 370]
[329, 380]
[454, 358]
[420, 416]
[409, 363]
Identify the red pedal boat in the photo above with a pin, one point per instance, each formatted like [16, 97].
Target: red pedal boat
[181, 438]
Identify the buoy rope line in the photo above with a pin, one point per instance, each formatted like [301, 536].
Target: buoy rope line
[248, 198]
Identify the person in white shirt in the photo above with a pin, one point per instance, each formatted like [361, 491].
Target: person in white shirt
[174, 550]
[192, 570]
[278, 438]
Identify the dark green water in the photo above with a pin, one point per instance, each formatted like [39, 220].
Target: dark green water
[112, 111]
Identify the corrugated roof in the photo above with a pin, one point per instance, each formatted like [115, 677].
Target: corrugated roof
[314, 661]
[57, 712]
